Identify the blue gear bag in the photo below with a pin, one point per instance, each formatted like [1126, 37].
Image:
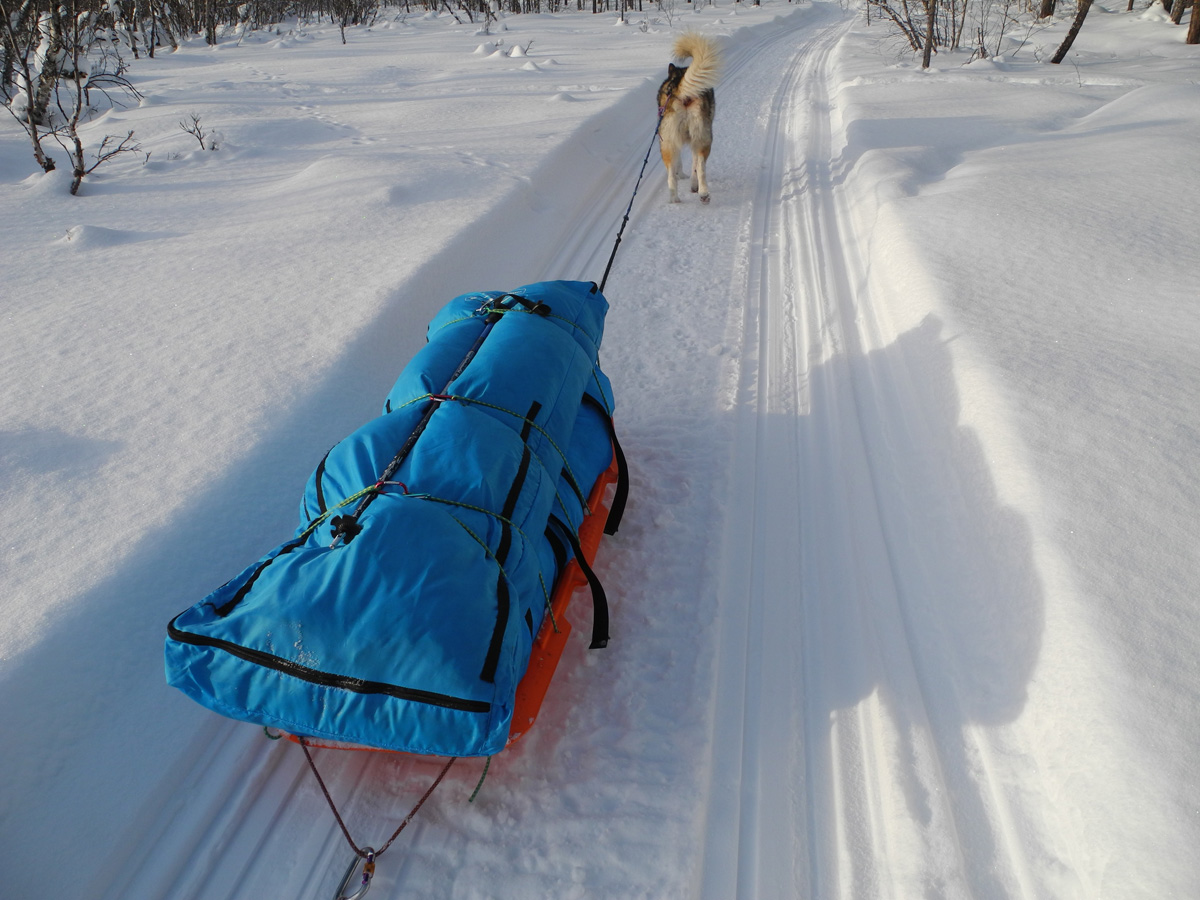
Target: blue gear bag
[401, 613]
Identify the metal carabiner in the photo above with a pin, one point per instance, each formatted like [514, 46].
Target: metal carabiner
[368, 871]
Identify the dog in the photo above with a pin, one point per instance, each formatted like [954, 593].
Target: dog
[686, 103]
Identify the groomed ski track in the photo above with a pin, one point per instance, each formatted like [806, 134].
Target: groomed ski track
[809, 735]
[840, 776]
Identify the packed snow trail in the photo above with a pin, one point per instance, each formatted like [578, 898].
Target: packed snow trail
[881, 612]
[253, 821]
[834, 772]
[805, 593]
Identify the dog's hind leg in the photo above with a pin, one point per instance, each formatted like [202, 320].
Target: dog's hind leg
[699, 175]
[672, 166]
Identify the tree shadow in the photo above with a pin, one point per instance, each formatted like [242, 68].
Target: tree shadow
[44, 451]
[959, 563]
[918, 591]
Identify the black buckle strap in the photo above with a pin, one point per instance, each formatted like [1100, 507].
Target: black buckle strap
[537, 307]
[599, 598]
[617, 509]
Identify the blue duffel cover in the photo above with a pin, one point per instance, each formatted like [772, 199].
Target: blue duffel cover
[412, 633]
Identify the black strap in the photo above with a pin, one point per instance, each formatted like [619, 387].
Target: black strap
[503, 609]
[617, 509]
[558, 547]
[537, 307]
[319, 479]
[599, 598]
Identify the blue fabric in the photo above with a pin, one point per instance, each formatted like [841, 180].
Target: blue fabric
[413, 634]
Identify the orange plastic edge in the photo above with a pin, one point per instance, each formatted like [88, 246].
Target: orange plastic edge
[549, 643]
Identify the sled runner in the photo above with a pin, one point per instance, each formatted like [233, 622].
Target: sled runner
[420, 605]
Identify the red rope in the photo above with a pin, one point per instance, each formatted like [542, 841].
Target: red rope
[363, 854]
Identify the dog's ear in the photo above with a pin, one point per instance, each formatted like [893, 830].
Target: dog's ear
[672, 68]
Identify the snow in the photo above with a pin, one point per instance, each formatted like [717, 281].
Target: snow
[904, 603]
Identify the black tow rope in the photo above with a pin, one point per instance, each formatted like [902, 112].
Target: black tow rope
[625, 221]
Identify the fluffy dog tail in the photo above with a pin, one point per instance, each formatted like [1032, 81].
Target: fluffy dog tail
[702, 73]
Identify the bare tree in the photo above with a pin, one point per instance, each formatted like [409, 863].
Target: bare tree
[1193, 35]
[900, 15]
[21, 44]
[992, 20]
[56, 57]
[196, 130]
[76, 30]
[1065, 47]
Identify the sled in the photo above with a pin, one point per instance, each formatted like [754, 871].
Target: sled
[552, 637]
[421, 605]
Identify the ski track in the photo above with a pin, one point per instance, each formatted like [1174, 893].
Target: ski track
[846, 778]
[829, 771]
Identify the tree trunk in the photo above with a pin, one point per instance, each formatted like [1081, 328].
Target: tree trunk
[210, 22]
[13, 53]
[1084, 6]
[48, 76]
[1047, 9]
[930, 18]
[1177, 10]
[1193, 35]
[10, 25]
[8, 62]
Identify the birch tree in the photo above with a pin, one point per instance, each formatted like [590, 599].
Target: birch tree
[22, 43]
